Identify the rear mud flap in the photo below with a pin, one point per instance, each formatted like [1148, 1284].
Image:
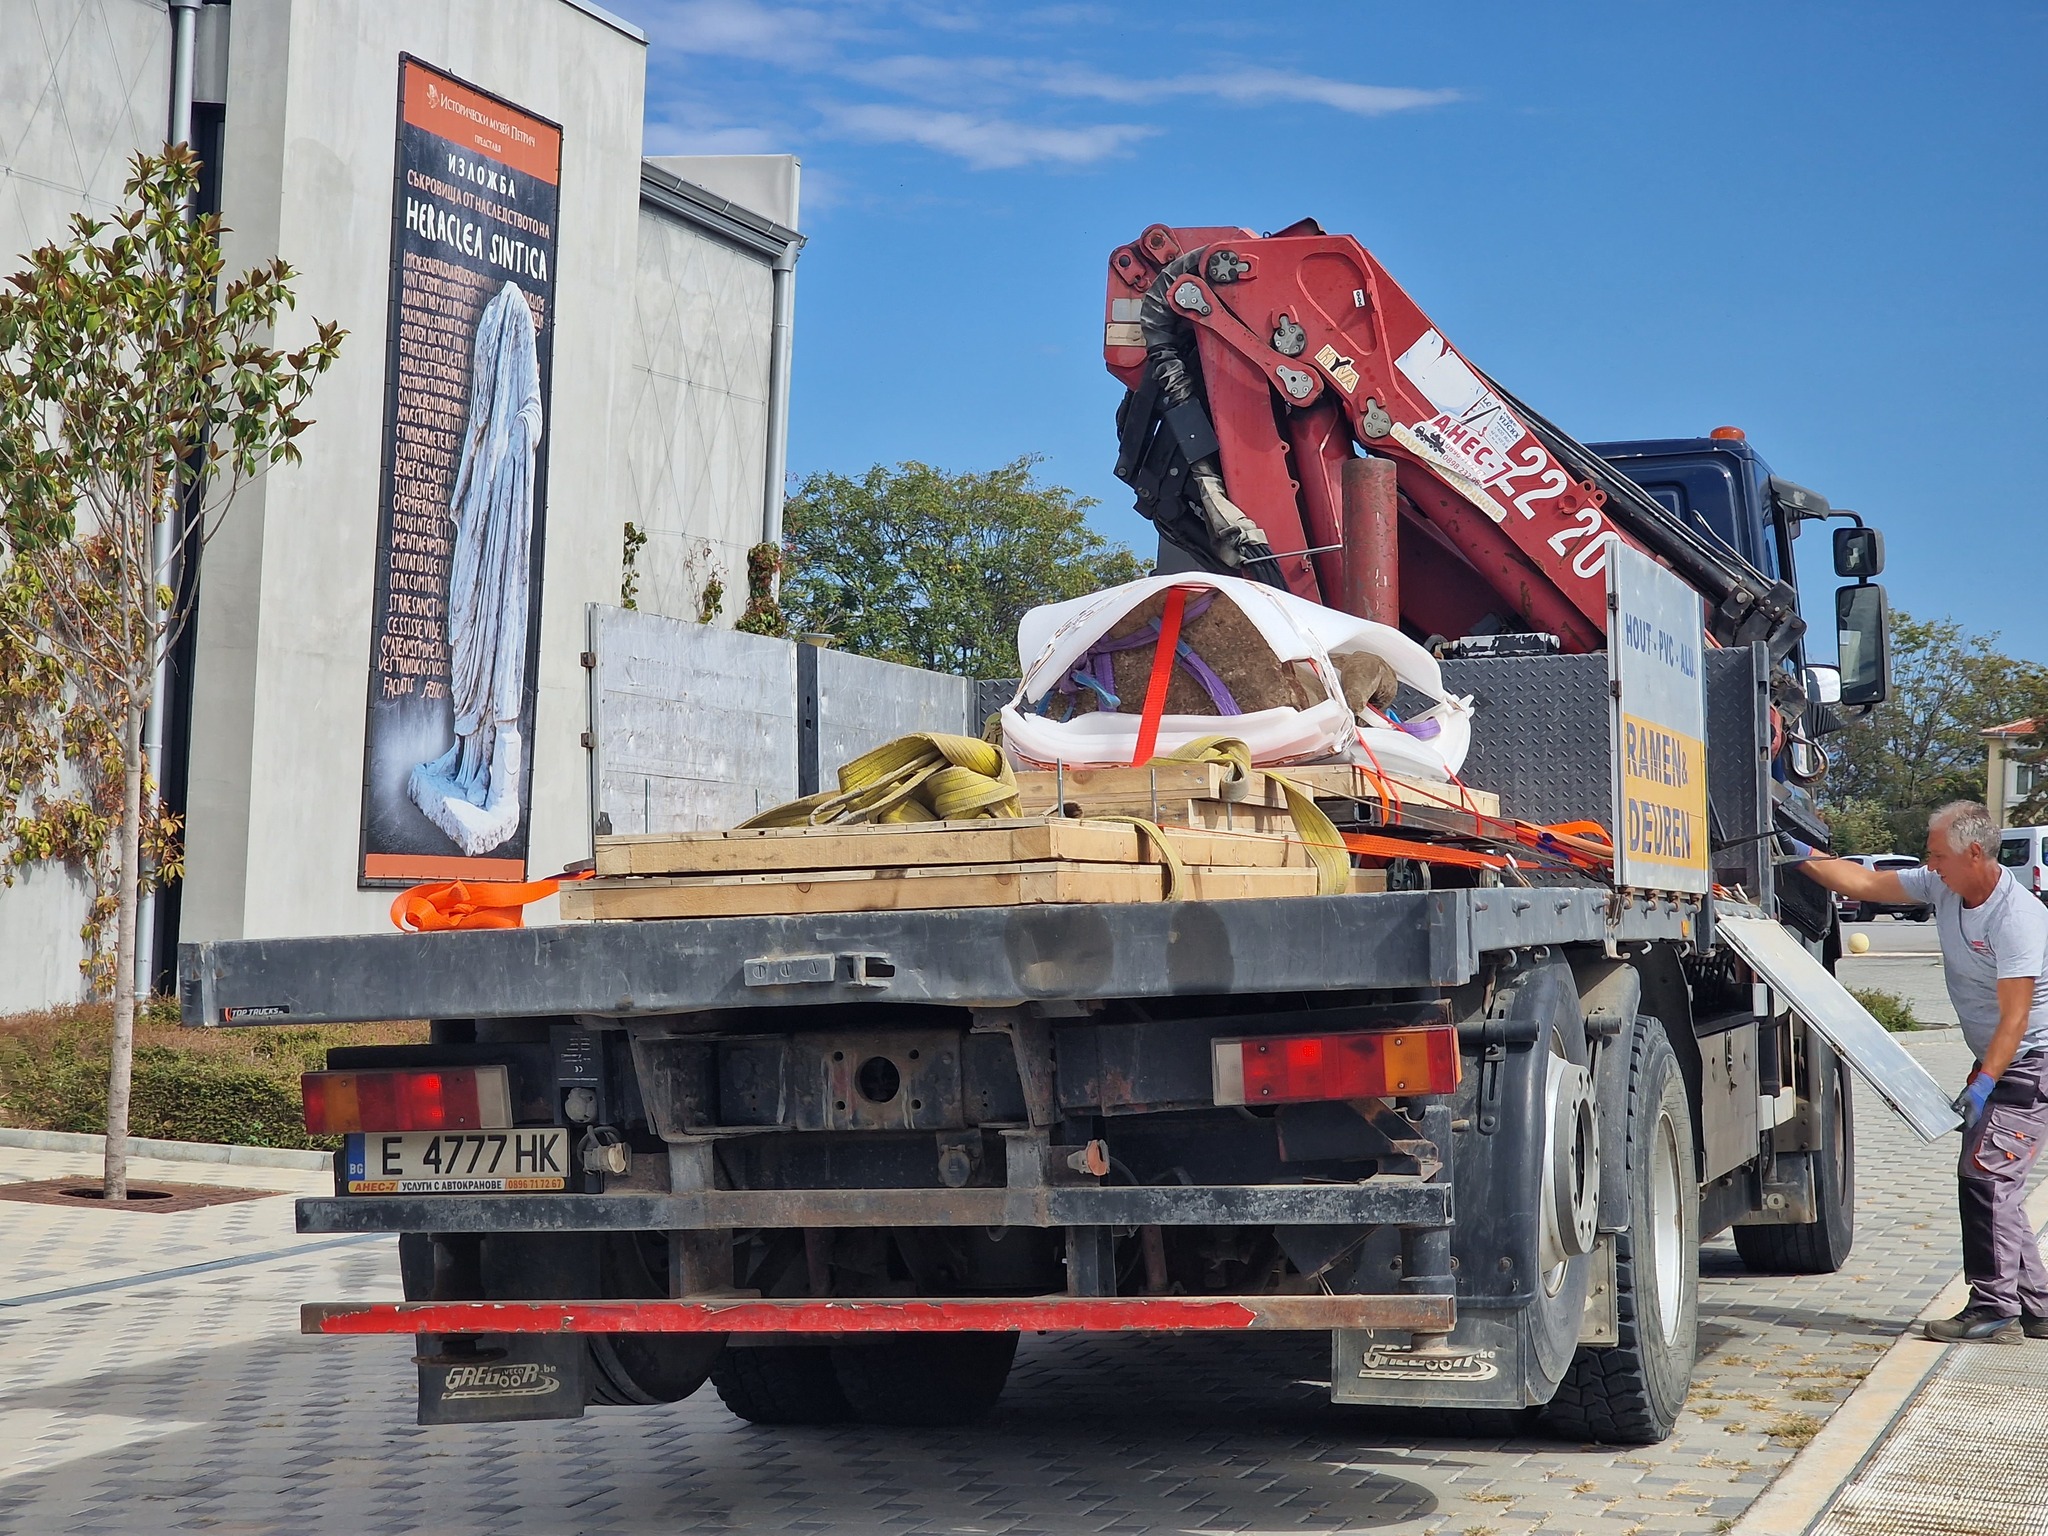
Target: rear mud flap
[1489, 1362]
[1828, 1009]
[513, 1377]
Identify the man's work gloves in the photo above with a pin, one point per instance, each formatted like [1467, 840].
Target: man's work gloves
[1975, 1095]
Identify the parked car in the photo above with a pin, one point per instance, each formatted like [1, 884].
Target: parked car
[1865, 911]
[2024, 851]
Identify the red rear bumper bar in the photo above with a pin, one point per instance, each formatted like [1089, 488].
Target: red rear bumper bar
[981, 1314]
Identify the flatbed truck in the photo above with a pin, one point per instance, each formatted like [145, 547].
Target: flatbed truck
[1473, 1127]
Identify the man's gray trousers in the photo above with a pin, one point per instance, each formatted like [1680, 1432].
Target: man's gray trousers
[2000, 1255]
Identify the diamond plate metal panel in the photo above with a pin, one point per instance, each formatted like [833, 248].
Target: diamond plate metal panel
[1541, 744]
[1540, 738]
[1738, 738]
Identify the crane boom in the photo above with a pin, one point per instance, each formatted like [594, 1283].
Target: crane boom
[1258, 364]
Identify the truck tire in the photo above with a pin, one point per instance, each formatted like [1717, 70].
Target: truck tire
[642, 1369]
[1629, 1393]
[924, 1380]
[781, 1384]
[1820, 1246]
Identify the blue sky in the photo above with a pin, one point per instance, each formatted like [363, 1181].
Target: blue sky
[1823, 223]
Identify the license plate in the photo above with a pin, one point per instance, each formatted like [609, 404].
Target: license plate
[456, 1162]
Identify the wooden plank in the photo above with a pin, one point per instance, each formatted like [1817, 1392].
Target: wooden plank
[870, 890]
[1039, 788]
[1131, 791]
[884, 846]
[1351, 781]
[1228, 816]
[936, 844]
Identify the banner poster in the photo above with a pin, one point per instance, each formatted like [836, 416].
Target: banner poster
[448, 755]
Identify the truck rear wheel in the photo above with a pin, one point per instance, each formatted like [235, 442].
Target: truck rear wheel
[781, 1384]
[1629, 1393]
[641, 1369]
[1820, 1246]
[924, 1380]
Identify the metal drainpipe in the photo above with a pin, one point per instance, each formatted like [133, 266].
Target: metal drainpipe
[184, 24]
[778, 395]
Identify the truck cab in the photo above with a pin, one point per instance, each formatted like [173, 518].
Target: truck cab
[1721, 489]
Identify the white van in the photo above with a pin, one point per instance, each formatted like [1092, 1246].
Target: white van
[2024, 851]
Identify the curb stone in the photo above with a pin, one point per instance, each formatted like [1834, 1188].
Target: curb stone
[169, 1151]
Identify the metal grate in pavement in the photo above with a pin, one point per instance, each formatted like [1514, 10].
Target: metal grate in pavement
[1968, 1457]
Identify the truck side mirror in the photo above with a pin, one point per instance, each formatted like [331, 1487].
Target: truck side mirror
[1859, 553]
[1863, 633]
[1823, 685]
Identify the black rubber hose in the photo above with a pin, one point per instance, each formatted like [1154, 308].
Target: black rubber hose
[1167, 334]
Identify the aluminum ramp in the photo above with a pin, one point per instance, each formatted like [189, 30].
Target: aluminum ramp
[1825, 1004]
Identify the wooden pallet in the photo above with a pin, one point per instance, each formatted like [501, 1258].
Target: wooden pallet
[1012, 884]
[941, 843]
[1202, 795]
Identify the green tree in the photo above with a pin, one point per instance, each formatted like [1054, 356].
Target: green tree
[138, 396]
[1861, 826]
[933, 569]
[1921, 747]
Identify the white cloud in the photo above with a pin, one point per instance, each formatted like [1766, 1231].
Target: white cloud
[986, 143]
[687, 139]
[1247, 84]
[993, 112]
[744, 29]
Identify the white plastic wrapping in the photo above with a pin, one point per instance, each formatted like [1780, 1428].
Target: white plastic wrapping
[1054, 638]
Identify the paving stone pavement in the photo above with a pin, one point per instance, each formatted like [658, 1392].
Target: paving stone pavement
[189, 1402]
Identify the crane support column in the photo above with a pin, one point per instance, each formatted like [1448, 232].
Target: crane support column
[1372, 520]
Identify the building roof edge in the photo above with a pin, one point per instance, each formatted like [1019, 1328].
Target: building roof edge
[714, 214]
[616, 23]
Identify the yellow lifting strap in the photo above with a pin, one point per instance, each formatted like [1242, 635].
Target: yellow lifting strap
[926, 777]
[1319, 834]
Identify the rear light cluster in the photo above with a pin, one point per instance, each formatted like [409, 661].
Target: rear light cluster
[1366, 1064]
[413, 1099]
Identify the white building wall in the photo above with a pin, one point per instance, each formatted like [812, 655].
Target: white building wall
[284, 627]
[658, 409]
[695, 402]
[84, 84]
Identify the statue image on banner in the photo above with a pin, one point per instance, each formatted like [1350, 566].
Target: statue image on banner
[472, 790]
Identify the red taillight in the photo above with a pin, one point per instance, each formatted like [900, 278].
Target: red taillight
[1370, 1064]
[413, 1099]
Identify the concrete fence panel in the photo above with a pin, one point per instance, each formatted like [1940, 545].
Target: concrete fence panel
[691, 727]
[861, 703]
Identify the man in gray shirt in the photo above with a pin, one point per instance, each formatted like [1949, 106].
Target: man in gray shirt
[1994, 950]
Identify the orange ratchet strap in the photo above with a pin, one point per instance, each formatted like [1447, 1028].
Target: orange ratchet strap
[1162, 675]
[1376, 847]
[450, 904]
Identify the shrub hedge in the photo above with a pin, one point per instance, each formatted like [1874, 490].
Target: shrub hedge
[1888, 1008]
[220, 1085]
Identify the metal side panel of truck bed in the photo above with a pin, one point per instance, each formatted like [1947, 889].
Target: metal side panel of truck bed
[973, 957]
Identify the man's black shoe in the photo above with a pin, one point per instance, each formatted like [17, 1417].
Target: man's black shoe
[2035, 1325]
[1979, 1326]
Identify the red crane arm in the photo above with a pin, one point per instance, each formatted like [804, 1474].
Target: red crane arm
[1307, 347]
